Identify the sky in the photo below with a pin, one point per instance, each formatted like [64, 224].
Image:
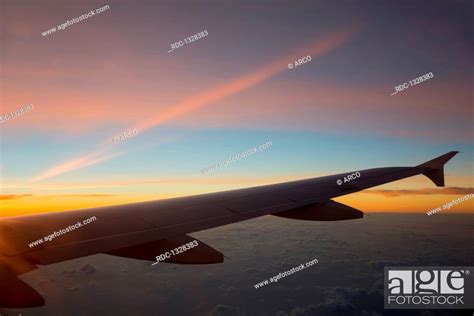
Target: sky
[228, 92]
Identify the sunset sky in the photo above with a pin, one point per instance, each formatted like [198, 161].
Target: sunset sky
[228, 92]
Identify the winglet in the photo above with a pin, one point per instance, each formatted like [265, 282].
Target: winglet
[435, 168]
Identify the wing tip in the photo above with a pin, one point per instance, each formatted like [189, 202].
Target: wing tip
[439, 161]
[435, 168]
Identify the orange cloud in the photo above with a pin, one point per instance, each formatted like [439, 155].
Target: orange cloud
[444, 191]
[85, 195]
[403, 203]
[12, 196]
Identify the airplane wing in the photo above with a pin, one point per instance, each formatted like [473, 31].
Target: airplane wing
[147, 229]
